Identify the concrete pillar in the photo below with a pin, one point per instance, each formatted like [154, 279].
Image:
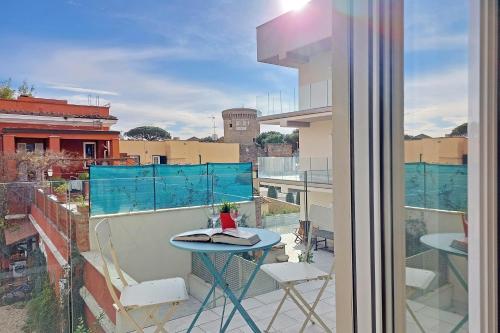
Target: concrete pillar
[54, 143]
[55, 146]
[9, 148]
[115, 150]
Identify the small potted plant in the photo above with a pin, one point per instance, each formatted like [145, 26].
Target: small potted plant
[84, 177]
[61, 192]
[81, 205]
[226, 220]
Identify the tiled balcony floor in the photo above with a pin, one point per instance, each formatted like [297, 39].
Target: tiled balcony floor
[261, 308]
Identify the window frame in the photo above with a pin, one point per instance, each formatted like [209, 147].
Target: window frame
[368, 155]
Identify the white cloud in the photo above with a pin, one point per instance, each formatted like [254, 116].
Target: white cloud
[436, 103]
[138, 95]
[82, 90]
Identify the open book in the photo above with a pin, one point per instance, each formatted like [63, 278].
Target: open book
[460, 244]
[228, 236]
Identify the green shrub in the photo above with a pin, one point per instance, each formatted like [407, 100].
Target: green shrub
[43, 311]
[272, 193]
[84, 176]
[81, 327]
[415, 228]
[289, 197]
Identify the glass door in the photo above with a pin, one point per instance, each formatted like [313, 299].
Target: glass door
[436, 147]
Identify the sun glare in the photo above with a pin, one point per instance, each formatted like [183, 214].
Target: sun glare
[293, 4]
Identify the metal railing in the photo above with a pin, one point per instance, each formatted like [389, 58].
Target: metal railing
[313, 169]
[309, 96]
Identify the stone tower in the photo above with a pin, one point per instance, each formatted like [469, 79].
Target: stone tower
[240, 126]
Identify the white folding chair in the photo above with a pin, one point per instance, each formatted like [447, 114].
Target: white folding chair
[421, 279]
[290, 274]
[148, 296]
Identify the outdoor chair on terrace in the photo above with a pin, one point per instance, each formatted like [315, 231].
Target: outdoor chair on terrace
[290, 274]
[144, 299]
[300, 232]
[417, 279]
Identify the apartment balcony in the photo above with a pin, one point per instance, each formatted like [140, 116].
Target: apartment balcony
[296, 108]
[311, 171]
[292, 38]
[145, 211]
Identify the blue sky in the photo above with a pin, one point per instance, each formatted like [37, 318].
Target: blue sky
[166, 63]
[175, 63]
[436, 64]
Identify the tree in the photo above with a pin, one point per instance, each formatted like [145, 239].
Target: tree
[207, 139]
[460, 130]
[269, 137]
[6, 90]
[25, 89]
[289, 197]
[272, 193]
[31, 166]
[149, 133]
[293, 139]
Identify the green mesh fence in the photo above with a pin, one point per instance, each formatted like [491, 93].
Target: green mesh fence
[437, 186]
[123, 189]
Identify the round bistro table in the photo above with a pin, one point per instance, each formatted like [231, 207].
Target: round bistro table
[442, 243]
[202, 249]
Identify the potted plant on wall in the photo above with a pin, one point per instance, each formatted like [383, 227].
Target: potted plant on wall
[61, 192]
[82, 205]
[226, 220]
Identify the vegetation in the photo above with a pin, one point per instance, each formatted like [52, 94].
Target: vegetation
[269, 137]
[84, 176]
[272, 193]
[43, 310]
[61, 189]
[80, 201]
[293, 139]
[226, 207]
[306, 256]
[149, 133]
[25, 89]
[7, 92]
[289, 197]
[33, 166]
[277, 137]
[415, 228]
[460, 130]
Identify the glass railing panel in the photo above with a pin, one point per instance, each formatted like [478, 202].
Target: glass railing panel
[308, 96]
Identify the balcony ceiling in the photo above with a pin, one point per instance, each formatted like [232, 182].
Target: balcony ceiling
[297, 119]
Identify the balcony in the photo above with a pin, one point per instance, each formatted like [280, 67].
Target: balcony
[61, 246]
[312, 102]
[315, 171]
[290, 39]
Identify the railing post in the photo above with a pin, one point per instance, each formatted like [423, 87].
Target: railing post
[154, 187]
[327, 172]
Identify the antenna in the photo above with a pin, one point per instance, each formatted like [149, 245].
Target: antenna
[214, 135]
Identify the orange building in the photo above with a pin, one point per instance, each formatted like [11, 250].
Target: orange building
[39, 124]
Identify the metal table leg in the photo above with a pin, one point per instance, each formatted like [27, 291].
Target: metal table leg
[464, 285]
[219, 280]
[212, 290]
[241, 310]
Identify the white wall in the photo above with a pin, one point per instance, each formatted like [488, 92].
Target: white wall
[315, 141]
[317, 69]
[142, 240]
